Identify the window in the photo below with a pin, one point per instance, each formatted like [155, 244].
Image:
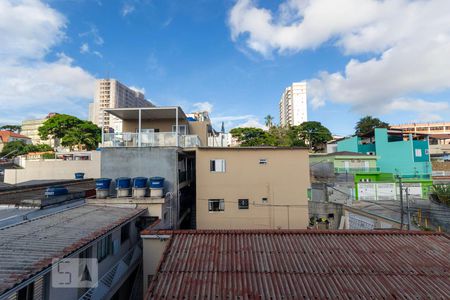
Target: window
[264, 200]
[263, 161]
[182, 129]
[217, 165]
[243, 203]
[26, 293]
[216, 205]
[125, 233]
[104, 248]
[419, 152]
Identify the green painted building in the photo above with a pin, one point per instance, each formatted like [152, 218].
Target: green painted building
[401, 154]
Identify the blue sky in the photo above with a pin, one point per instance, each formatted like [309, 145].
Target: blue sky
[233, 57]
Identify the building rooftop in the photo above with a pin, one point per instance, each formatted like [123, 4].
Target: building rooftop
[160, 112]
[29, 247]
[254, 148]
[6, 134]
[302, 264]
[344, 153]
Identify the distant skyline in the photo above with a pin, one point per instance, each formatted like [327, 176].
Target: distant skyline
[391, 59]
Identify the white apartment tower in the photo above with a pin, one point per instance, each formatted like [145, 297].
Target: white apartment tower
[110, 93]
[293, 105]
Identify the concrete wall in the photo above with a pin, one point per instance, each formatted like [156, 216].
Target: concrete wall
[153, 249]
[145, 162]
[284, 181]
[54, 169]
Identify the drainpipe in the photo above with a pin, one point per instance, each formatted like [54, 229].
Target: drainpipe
[176, 126]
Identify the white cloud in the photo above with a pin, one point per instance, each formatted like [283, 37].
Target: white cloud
[203, 106]
[94, 34]
[407, 42]
[127, 9]
[30, 85]
[84, 48]
[236, 121]
[28, 29]
[138, 89]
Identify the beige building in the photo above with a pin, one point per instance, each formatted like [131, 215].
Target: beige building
[157, 127]
[30, 128]
[252, 188]
[427, 128]
[293, 105]
[110, 93]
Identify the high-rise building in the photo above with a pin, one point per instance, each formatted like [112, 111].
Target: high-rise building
[293, 105]
[110, 93]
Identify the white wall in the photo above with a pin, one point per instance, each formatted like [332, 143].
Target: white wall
[54, 169]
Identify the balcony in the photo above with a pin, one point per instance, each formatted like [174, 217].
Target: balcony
[356, 170]
[157, 139]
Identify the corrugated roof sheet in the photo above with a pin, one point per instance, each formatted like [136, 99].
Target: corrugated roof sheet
[28, 248]
[303, 265]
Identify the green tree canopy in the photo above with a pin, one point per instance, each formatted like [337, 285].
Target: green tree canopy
[313, 134]
[367, 124]
[57, 126]
[251, 136]
[308, 133]
[269, 121]
[72, 131]
[13, 128]
[20, 148]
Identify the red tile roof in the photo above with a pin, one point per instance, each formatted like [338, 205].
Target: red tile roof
[302, 264]
[6, 134]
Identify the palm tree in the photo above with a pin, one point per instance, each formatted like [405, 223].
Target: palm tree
[269, 120]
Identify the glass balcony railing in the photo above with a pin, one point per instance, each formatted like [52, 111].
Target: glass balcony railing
[351, 170]
[157, 139]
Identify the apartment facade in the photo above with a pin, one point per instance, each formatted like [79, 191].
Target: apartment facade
[30, 128]
[425, 128]
[110, 93]
[293, 105]
[252, 188]
[398, 153]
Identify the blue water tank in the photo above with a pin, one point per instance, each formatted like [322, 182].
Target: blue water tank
[123, 182]
[139, 182]
[79, 175]
[56, 191]
[102, 183]
[156, 182]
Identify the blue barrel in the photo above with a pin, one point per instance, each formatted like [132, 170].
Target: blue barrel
[102, 183]
[123, 182]
[56, 191]
[156, 182]
[79, 175]
[139, 182]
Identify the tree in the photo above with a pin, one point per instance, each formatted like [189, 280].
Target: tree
[367, 124]
[251, 136]
[86, 133]
[13, 128]
[72, 131]
[57, 126]
[311, 133]
[269, 121]
[20, 148]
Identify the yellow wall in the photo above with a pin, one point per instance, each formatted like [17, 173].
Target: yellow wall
[284, 180]
[153, 249]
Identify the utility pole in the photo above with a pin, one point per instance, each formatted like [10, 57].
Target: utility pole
[407, 209]
[401, 201]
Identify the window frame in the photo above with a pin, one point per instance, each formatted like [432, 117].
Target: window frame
[221, 206]
[214, 167]
[104, 247]
[243, 206]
